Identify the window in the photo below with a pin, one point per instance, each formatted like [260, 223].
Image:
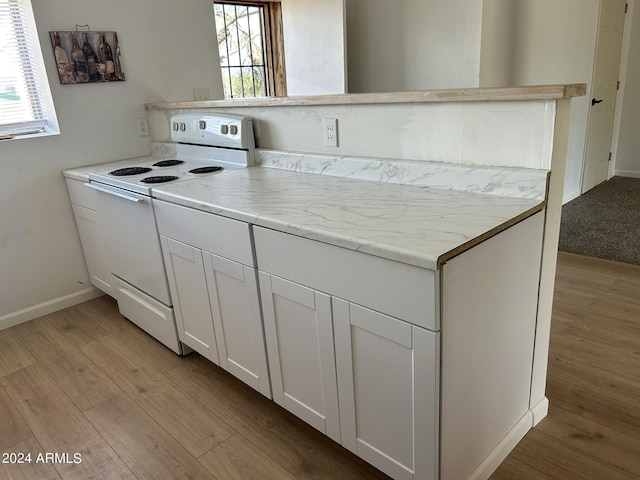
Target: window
[250, 47]
[26, 106]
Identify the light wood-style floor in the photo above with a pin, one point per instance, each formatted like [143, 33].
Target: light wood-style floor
[84, 380]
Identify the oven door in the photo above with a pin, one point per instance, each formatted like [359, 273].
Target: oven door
[131, 240]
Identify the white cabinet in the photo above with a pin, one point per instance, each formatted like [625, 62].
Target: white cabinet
[432, 368]
[213, 283]
[386, 370]
[299, 335]
[233, 296]
[90, 231]
[365, 379]
[187, 282]
[424, 374]
[388, 373]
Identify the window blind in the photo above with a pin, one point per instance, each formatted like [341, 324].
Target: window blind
[25, 100]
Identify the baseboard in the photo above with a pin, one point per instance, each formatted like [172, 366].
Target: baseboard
[540, 410]
[502, 450]
[50, 306]
[567, 197]
[627, 173]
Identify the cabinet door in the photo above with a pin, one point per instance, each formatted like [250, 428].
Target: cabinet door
[299, 332]
[233, 293]
[95, 254]
[388, 391]
[188, 285]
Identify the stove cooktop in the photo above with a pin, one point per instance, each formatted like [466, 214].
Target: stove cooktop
[144, 173]
[127, 171]
[159, 179]
[204, 145]
[168, 163]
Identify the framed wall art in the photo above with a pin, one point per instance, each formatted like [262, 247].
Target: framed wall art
[87, 57]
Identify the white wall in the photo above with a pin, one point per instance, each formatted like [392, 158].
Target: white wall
[628, 149]
[497, 52]
[549, 41]
[40, 254]
[513, 133]
[314, 46]
[414, 45]
[405, 45]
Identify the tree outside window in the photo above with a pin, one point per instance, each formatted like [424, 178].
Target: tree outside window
[249, 42]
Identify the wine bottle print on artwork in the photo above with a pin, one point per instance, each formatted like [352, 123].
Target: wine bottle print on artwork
[87, 57]
[106, 57]
[80, 67]
[92, 58]
[65, 67]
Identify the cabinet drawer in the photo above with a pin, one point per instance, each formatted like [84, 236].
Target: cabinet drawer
[81, 195]
[223, 236]
[397, 289]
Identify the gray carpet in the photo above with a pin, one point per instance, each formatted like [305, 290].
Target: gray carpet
[604, 222]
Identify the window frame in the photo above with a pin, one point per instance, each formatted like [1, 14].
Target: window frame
[29, 57]
[273, 43]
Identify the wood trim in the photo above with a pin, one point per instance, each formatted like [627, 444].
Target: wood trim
[500, 228]
[269, 49]
[276, 37]
[542, 92]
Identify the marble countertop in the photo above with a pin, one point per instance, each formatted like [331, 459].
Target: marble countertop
[422, 226]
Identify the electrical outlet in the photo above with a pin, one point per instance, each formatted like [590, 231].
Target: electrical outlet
[330, 132]
[201, 93]
[143, 127]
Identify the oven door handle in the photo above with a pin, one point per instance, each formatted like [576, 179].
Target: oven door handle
[131, 198]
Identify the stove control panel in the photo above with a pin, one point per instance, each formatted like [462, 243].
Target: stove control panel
[230, 131]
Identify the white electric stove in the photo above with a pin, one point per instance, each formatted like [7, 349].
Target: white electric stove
[207, 145]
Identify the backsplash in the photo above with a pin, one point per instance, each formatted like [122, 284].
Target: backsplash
[163, 149]
[502, 181]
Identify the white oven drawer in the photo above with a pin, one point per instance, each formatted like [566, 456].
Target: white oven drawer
[209, 232]
[150, 315]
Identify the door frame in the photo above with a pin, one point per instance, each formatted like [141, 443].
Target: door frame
[622, 74]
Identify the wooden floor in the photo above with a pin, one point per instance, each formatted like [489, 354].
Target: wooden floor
[86, 381]
[593, 385]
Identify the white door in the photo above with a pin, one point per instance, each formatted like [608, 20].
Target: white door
[604, 93]
[91, 238]
[388, 384]
[299, 332]
[188, 285]
[233, 294]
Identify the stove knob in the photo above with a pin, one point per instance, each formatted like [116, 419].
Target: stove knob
[176, 126]
[224, 129]
[183, 127]
[233, 129]
[202, 124]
